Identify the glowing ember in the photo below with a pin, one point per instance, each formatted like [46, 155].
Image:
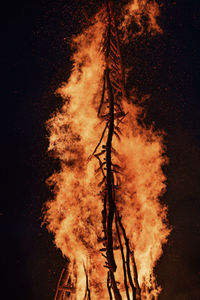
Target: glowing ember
[106, 215]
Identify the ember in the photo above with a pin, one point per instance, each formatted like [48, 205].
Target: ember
[106, 215]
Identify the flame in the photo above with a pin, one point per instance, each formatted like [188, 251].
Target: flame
[135, 11]
[75, 213]
[144, 217]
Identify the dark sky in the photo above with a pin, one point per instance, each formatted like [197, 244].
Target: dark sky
[35, 59]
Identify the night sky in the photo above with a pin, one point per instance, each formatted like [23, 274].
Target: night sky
[35, 60]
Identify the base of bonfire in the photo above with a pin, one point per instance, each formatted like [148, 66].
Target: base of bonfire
[66, 289]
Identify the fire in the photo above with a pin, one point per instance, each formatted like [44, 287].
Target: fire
[136, 10]
[106, 215]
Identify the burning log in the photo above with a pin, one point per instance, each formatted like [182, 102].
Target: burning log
[87, 291]
[123, 261]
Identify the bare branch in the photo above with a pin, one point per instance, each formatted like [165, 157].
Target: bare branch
[99, 143]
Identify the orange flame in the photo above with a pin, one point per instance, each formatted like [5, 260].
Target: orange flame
[135, 11]
[75, 215]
